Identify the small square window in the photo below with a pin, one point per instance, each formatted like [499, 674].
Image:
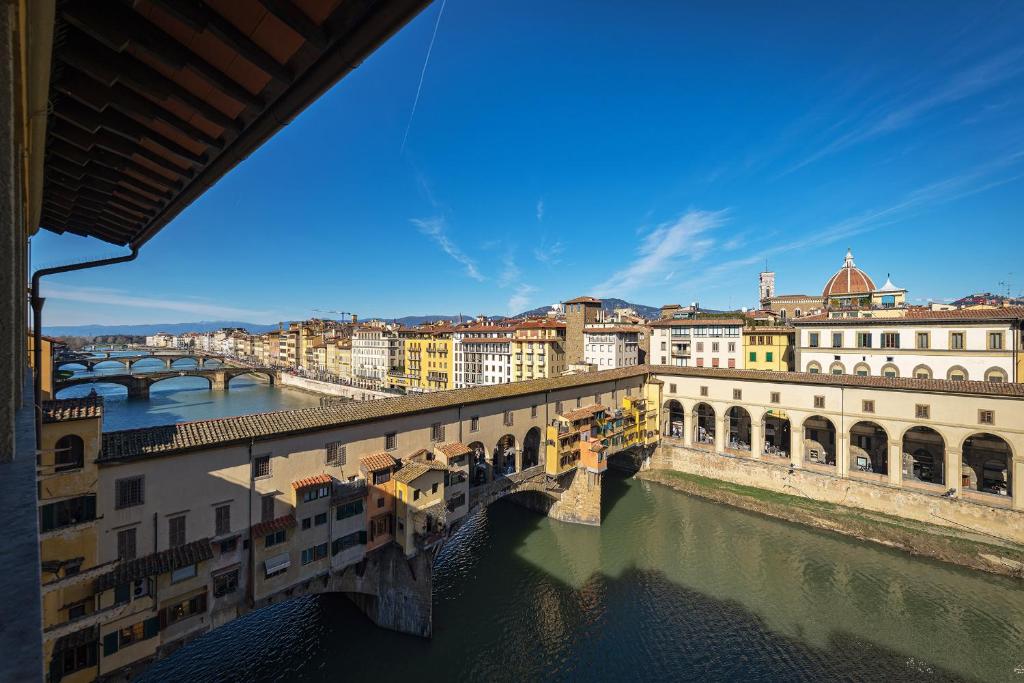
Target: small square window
[261, 466]
[703, 391]
[335, 454]
[474, 424]
[737, 394]
[533, 411]
[819, 401]
[671, 388]
[776, 397]
[867, 406]
[986, 417]
[922, 412]
[390, 441]
[437, 432]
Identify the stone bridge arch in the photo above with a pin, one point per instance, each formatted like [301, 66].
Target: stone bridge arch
[230, 375]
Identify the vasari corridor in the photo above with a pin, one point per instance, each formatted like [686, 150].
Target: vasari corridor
[438, 340]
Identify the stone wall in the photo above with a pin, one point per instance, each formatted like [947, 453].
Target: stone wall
[330, 388]
[891, 500]
[580, 502]
[393, 590]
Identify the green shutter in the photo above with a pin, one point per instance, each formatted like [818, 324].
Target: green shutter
[768, 356]
[109, 644]
[753, 356]
[150, 627]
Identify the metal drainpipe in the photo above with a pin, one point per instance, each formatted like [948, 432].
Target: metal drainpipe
[37, 324]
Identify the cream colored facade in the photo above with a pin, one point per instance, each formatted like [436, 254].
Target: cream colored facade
[976, 344]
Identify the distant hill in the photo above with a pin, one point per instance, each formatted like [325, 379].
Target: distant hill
[608, 305]
[148, 329]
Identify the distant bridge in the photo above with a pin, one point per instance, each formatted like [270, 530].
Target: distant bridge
[129, 360]
[138, 384]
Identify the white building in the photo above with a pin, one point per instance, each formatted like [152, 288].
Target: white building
[611, 346]
[375, 350]
[963, 344]
[483, 355]
[699, 342]
[160, 340]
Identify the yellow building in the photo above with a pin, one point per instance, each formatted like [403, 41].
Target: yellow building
[339, 358]
[49, 347]
[67, 475]
[588, 435]
[429, 360]
[768, 348]
[538, 350]
[420, 512]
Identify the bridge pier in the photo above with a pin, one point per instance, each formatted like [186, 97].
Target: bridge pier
[580, 502]
[393, 590]
[138, 388]
[219, 381]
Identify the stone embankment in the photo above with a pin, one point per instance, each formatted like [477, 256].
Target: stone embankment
[964, 548]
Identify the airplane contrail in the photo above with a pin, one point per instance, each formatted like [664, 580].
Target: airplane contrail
[422, 74]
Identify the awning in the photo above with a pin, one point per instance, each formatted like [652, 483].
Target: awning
[278, 563]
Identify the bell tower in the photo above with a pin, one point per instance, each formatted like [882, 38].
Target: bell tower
[767, 287]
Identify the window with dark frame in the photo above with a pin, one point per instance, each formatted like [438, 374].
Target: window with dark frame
[867, 406]
[261, 466]
[922, 412]
[176, 531]
[130, 492]
[336, 454]
[126, 544]
[437, 432]
[737, 394]
[222, 524]
[819, 401]
[703, 391]
[391, 441]
[474, 424]
[987, 417]
[776, 397]
[225, 583]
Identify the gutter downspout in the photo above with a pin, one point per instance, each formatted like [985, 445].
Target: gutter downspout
[37, 302]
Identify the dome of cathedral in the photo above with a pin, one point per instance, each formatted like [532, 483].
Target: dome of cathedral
[849, 280]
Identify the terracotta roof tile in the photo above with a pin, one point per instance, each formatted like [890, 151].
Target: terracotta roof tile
[583, 300]
[584, 412]
[184, 436]
[72, 409]
[689, 322]
[454, 449]
[377, 462]
[316, 480]
[411, 471]
[155, 563]
[270, 526]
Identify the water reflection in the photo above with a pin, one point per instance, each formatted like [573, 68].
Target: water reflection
[669, 587]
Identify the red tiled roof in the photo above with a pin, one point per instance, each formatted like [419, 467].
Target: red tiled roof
[583, 300]
[454, 449]
[613, 329]
[269, 527]
[72, 409]
[584, 412]
[924, 315]
[672, 322]
[377, 461]
[316, 480]
[156, 563]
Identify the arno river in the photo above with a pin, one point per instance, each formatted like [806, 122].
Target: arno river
[669, 587]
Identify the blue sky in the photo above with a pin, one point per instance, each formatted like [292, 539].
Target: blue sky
[653, 151]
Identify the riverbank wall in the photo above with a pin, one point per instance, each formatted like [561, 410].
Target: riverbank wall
[952, 530]
[330, 389]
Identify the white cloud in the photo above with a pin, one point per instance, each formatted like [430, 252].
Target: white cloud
[662, 250]
[510, 272]
[437, 229]
[114, 297]
[540, 210]
[549, 255]
[520, 299]
[892, 116]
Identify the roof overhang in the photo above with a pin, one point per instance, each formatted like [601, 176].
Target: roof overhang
[153, 101]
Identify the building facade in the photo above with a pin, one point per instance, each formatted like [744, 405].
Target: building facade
[698, 342]
[769, 347]
[611, 346]
[959, 345]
